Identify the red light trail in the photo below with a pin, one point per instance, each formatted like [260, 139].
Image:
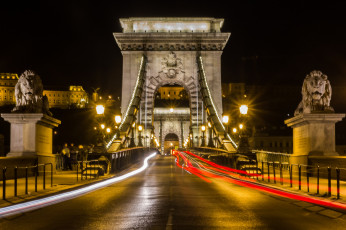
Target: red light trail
[210, 169]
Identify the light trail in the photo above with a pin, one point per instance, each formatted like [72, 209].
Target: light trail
[227, 174]
[43, 202]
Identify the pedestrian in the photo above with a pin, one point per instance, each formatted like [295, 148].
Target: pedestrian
[66, 157]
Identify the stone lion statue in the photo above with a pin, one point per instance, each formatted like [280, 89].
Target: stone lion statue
[28, 92]
[316, 93]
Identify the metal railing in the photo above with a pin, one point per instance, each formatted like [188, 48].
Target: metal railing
[270, 167]
[35, 169]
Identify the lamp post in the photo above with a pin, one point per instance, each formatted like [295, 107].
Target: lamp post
[243, 146]
[191, 137]
[132, 139]
[152, 141]
[140, 129]
[100, 110]
[225, 120]
[117, 119]
[203, 136]
[210, 139]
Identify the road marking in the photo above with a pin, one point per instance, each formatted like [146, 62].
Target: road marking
[169, 221]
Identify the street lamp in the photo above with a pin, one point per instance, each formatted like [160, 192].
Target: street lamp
[243, 146]
[243, 109]
[132, 139]
[210, 140]
[225, 120]
[117, 119]
[203, 135]
[100, 109]
[140, 129]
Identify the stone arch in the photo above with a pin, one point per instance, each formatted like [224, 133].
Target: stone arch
[152, 85]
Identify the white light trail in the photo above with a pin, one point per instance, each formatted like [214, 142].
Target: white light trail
[43, 202]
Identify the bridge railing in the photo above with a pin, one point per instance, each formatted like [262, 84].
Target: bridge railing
[275, 168]
[125, 157]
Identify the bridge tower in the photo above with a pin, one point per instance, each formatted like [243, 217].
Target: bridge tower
[171, 47]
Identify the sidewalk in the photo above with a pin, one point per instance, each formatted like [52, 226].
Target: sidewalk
[62, 180]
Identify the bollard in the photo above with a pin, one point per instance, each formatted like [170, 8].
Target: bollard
[300, 177]
[337, 183]
[51, 175]
[26, 180]
[4, 183]
[262, 171]
[291, 169]
[36, 174]
[274, 172]
[318, 179]
[15, 180]
[307, 179]
[81, 171]
[281, 177]
[256, 169]
[329, 181]
[77, 171]
[268, 172]
[44, 177]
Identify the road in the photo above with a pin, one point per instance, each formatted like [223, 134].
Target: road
[166, 197]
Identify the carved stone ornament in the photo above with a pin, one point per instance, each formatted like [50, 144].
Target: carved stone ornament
[316, 93]
[28, 92]
[171, 65]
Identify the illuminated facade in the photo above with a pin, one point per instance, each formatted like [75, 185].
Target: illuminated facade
[171, 93]
[7, 83]
[74, 97]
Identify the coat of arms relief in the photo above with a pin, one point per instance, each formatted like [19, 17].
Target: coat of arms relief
[171, 65]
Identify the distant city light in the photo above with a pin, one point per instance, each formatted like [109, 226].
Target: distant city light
[108, 130]
[171, 110]
[241, 126]
[234, 130]
[102, 126]
[203, 128]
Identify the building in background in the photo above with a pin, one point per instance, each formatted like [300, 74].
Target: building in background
[73, 97]
[7, 83]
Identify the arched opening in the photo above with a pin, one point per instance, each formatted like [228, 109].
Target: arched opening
[171, 96]
[171, 142]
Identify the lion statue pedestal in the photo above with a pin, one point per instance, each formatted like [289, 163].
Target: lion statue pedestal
[31, 121]
[314, 121]
[32, 135]
[313, 135]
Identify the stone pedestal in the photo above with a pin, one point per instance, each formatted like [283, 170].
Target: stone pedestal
[32, 135]
[313, 135]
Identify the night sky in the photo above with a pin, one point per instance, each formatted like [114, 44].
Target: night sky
[71, 42]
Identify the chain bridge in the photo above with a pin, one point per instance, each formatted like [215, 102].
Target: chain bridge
[160, 52]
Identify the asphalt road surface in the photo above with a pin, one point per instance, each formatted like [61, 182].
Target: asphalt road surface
[165, 196]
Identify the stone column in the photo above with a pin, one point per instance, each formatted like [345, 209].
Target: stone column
[313, 135]
[32, 135]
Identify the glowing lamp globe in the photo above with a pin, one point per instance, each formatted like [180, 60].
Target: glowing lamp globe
[243, 109]
[100, 109]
